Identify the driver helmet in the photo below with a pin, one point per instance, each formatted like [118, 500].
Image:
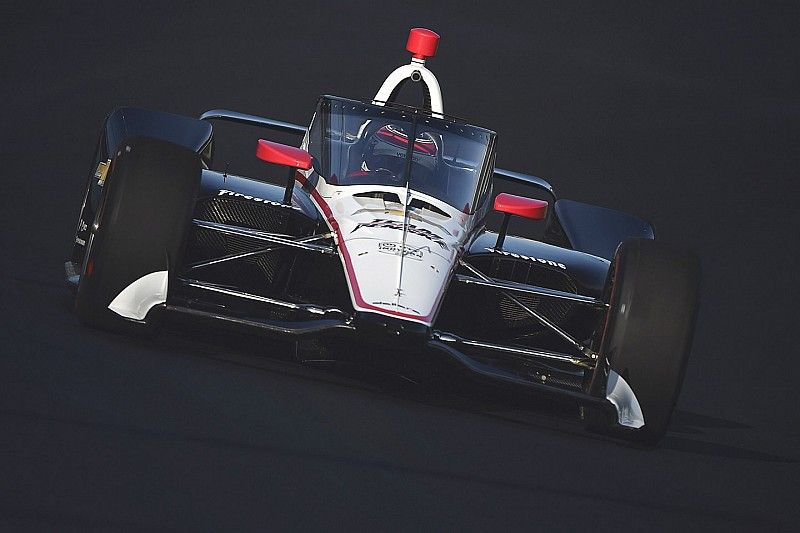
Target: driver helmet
[386, 149]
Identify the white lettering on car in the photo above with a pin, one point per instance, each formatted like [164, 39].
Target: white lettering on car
[225, 192]
[528, 258]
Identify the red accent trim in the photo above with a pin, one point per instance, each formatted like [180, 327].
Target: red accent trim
[280, 154]
[348, 263]
[422, 43]
[521, 206]
[358, 174]
[401, 140]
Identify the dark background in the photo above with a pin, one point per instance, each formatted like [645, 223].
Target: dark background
[684, 114]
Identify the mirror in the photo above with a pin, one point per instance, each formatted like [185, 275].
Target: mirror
[281, 154]
[511, 204]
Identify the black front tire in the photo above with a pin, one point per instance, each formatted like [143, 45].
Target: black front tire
[647, 336]
[140, 226]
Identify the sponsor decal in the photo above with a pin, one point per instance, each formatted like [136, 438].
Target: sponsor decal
[411, 228]
[102, 171]
[528, 258]
[225, 192]
[80, 241]
[394, 248]
[396, 305]
[82, 225]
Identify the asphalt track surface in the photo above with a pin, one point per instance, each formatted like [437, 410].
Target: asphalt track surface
[687, 115]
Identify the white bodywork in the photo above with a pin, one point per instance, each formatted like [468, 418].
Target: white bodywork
[629, 412]
[397, 259]
[139, 297]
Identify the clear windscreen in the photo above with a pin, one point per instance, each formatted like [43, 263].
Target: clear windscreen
[354, 143]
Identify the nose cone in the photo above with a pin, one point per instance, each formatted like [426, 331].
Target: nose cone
[381, 328]
[403, 280]
[397, 259]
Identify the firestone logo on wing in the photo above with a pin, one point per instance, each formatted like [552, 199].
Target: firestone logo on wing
[225, 192]
[528, 258]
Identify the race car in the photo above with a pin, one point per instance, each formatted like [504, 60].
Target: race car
[379, 237]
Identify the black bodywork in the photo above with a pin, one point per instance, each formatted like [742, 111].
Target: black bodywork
[302, 291]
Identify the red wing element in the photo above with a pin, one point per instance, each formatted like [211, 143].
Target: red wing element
[422, 43]
[424, 144]
[520, 206]
[280, 154]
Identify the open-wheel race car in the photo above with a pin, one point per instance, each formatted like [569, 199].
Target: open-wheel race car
[379, 237]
